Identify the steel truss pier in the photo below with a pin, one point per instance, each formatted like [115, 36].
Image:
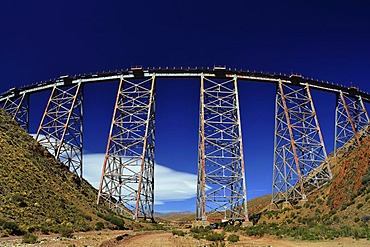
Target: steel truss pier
[351, 118]
[221, 178]
[18, 109]
[60, 129]
[127, 181]
[300, 164]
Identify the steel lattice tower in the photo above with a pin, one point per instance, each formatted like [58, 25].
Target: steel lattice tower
[18, 109]
[300, 164]
[127, 180]
[60, 129]
[351, 118]
[221, 178]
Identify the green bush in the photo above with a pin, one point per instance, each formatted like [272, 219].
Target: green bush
[365, 179]
[230, 228]
[200, 229]
[13, 227]
[66, 232]
[200, 232]
[99, 226]
[365, 218]
[359, 205]
[29, 238]
[215, 237]
[118, 222]
[115, 220]
[88, 217]
[178, 232]
[233, 238]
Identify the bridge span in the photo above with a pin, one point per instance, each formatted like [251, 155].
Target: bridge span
[127, 181]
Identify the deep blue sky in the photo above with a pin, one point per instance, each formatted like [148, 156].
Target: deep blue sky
[328, 40]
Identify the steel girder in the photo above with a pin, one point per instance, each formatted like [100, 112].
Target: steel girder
[300, 164]
[351, 118]
[127, 181]
[221, 188]
[60, 130]
[18, 109]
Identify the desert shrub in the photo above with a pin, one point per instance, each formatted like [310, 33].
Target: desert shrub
[365, 179]
[88, 217]
[18, 198]
[332, 212]
[215, 237]
[99, 226]
[178, 232]
[233, 238]
[200, 232]
[117, 221]
[66, 232]
[365, 218]
[45, 230]
[156, 226]
[230, 228]
[29, 238]
[100, 215]
[200, 229]
[336, 218]
[320, 201]
[12, 227]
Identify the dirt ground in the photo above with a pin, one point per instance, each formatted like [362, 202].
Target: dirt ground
[90, 239]
[164, 239]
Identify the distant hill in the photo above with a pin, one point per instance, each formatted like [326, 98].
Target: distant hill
[175, 216]
[38, 193]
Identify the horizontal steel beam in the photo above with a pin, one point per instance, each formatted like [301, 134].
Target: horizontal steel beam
[185, 73]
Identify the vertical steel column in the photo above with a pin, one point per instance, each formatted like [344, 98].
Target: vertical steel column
[127, 180]
[18, 108]
[221, 177]
[350, 119]
[60, 129]
[300, 164]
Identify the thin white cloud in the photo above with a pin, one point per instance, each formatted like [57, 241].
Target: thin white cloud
[169, 184]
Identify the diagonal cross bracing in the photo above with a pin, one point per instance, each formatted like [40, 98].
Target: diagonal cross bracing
[300, 164]
[350, 119]
[127, 180]
[18, 109]
[221, 179]
[60, 129]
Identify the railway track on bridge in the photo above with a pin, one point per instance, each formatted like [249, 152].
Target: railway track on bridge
[300, 164]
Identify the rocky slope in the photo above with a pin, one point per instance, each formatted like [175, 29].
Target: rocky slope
[341, 205]
[38, 193]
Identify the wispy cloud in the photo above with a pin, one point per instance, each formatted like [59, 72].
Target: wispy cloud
[169, 184]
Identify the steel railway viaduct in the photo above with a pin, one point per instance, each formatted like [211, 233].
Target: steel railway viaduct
[300, 159]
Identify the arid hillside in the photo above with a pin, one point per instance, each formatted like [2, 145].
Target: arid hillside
[340, 207]
[38, 193]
